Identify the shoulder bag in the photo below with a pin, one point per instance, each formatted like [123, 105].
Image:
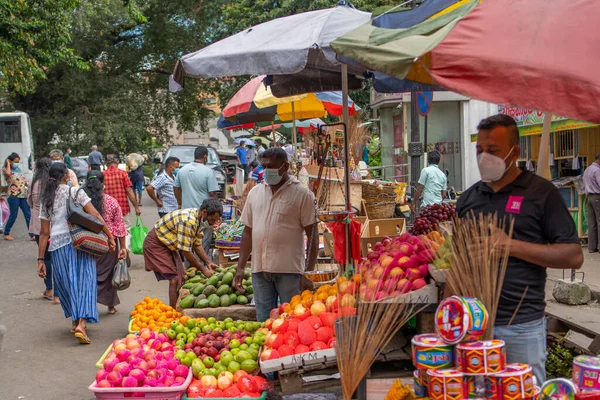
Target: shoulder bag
[76, 215]
[91, 241]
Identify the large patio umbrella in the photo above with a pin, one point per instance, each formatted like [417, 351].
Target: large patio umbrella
[539, 54]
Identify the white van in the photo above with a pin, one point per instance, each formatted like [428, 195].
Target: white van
[15, 137]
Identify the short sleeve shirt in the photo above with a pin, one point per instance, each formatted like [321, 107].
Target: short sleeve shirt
[116, 182]
[434, 182]
[59, 227]
[540, 216]
[196, 181]
[113, 216]
[163, 184]
[180, 230]
[278, 221]
[591, 179]
[242, 154]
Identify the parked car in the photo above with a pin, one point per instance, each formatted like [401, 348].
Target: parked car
[185, 153]
[80, 166]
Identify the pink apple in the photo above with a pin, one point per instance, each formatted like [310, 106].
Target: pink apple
[419, 284]
[413, 274]
[404, 285]
[405, 262]
[103, 384]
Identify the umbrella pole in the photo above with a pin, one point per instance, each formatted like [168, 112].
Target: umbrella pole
[294, 130]
[543, 168]
[273, 132]
[346, 117]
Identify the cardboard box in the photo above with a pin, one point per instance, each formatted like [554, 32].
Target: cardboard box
[377, 229]
[328, 236]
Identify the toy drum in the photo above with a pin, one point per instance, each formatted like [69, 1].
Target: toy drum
[460, 319]
[420, 387]
[447, 384]
[514, 383]
[586, 372]
[429, 352]
[420, 376]
[481, 358]
[471, 387]
[559, 388]
[535, 395]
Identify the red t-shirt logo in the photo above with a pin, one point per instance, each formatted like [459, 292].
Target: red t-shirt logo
[513, 205]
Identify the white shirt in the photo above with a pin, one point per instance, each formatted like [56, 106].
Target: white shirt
[278, 221]
[59, 227]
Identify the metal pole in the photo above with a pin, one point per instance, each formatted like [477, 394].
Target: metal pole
[294, 130]
[346, 117]
[273, 132]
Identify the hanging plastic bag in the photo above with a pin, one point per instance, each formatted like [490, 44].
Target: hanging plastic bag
[138, 235]
[121, 278]
[4, 212]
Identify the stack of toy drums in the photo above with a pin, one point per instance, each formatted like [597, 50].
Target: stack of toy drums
[455, 364]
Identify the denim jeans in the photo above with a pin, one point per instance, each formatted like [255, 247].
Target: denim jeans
[270, 287]
[14, 203]
[48, 262]
[526, 343]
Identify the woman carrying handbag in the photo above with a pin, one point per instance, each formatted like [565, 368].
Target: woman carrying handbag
[110, 210]
[74, 270]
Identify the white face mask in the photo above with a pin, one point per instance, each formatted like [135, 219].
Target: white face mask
[491, 167]
[272, 177]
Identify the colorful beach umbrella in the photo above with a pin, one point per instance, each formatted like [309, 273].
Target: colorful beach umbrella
[539, 54]
[255, 102]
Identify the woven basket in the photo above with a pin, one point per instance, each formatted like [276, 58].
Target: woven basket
[375, 191]
[382, 210]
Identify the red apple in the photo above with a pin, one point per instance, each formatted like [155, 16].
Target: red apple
[274, 313]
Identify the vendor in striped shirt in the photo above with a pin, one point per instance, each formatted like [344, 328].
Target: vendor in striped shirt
[161, 188]
[180, 232]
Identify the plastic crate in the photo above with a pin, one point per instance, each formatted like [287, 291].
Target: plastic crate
[263, 397]
[154, 393]
[129, 330]
[106, 353]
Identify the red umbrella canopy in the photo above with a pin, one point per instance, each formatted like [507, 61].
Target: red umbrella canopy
[539, 54]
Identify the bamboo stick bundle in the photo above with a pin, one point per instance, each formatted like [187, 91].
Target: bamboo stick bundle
[480, 252]
[361, 338]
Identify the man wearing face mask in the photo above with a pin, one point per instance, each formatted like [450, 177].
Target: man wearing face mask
[161, 188]
[544, 236]
[57, 156]
[277, 215]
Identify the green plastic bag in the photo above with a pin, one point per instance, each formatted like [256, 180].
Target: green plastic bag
[138, 235]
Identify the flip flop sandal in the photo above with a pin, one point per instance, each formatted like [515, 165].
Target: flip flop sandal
[112, 312]
[47, 297]
[82, 338]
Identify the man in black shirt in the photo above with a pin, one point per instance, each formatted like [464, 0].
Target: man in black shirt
[544, 236]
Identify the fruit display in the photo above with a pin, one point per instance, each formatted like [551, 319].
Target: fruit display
[429, 218]
[228, 385]
[153, 314]
[211, 347]
[394, 267]
[216, 291]
[144, 360]
[307, 323]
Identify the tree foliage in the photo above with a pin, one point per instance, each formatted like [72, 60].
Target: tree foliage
[34, 37]
[120, 100]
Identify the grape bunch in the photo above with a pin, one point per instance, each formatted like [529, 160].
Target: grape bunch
[428, 218]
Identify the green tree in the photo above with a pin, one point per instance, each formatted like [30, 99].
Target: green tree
[34, 37]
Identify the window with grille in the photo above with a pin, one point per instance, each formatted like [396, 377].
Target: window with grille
[564, 143]
[525, 145]
[10, 131]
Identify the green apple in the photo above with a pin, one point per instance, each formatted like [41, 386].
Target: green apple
[248, 340]
[171, 334]
[179, 354]
[253, 353]
[234, 344]
[242, 356]
[187, 361]
[255, 346]
[187, 330]
[244, 347]
[196, 330]
[211, 372]
[211, 320]
[249, 366]
[191, 323]
[234, 351]
[228, 320]
[179, 328]
[208, 362]
[259, 340]
[174, 324]
[181, 336]
[197, 367]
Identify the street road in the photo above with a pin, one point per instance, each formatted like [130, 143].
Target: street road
[40, 358]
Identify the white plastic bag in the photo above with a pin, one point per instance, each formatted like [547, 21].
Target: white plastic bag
[121, 278]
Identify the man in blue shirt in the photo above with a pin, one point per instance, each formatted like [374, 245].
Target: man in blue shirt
[242, 156]
[95, 158]
[432, 182]
[195, 182]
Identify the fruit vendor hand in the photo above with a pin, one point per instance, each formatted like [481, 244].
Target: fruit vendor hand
[499, 238]
[237, 280]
